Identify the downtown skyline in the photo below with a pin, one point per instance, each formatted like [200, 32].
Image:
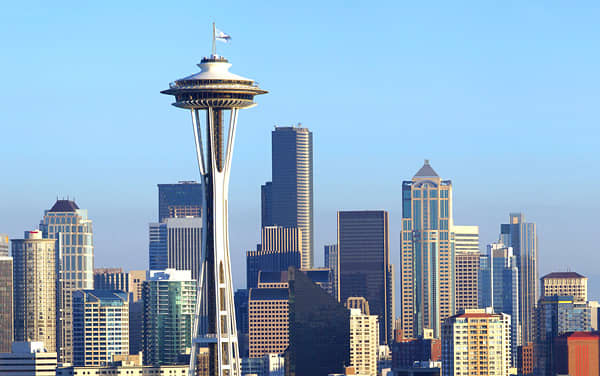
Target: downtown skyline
[516, 156]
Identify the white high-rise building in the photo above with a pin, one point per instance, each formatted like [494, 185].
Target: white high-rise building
[364, 342]
[476, 342]
[72, 230]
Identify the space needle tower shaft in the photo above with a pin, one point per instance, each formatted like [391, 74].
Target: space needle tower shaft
[220, 94]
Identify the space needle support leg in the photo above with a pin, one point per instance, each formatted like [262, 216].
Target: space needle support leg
[200, 295]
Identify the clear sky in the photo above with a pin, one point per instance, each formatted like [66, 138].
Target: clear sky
[502, 97]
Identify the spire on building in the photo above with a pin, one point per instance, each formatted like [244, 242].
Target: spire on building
[426, 171]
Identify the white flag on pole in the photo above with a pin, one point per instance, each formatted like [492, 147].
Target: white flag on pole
[223, 37]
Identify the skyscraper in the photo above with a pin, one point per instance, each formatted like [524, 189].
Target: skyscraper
[363, 242]
[100, 326]
[6, 303]
[522, 237]
[484, 286]
[565, 283]
[175, 243]
[266, 205]
[427, 252]
[179, 200]
[291, 193]
[364, 342]
[504, 282]
[4, 245]
[35, 293]
[72, 230]
[169, 302]
[280, 248]
[331, 262]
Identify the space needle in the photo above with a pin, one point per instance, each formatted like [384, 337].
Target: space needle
[221, 94]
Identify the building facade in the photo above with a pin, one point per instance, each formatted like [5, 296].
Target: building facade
[4, 245]
[292, 184]
[364, 342]
[6, 303]
[331, 262]
[476, 342]
[577, 354]
[522, 237]
[175, 244]
[100, 326]
[28, 359]
[268, 321]
[183, 199]
[504, 282]
[466, 267]
[169, 303]
[565, 283]
[70, 227]
[35, 289]
[364, 264]
[427, 253]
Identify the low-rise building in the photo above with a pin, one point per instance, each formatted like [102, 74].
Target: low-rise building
[28, 359]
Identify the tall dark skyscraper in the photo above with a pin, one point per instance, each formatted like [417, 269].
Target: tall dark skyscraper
[179, 200]
[288, 200]
[364, 263]
[522, 237]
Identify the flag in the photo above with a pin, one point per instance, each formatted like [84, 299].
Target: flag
[223, 37]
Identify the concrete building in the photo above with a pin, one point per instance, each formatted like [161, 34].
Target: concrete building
[466, 266]
[100, 326]
[522, 237]
[175, 244]
[426, 253]
[169, 303]
[364, 264]
[4, 245]
[28, 359]
[332, 262]
[476, 342]
[6, 303]
[364, 342]
[280, 248]
[183, 199]
[292, 184]
[565, 283]
[577, 354]
[268, 321]
[124, 369]
[35, 283]
[525, 360]
[70, 227]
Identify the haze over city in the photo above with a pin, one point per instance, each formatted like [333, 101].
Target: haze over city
[501, 98]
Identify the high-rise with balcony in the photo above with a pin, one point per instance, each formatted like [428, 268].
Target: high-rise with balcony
[364, 342]
[169, 302]
[364, 264]
[183, 199]
[522, 237]
[70, 227]
[291, 189]
[100, 326]
[426, 253]
[35, 292]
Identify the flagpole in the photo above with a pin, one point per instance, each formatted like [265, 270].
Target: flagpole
[214, 47]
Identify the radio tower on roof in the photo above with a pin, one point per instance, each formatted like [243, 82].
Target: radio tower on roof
[220, 93]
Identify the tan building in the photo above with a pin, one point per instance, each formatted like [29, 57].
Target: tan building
[359, 303]
[565, 283]
[281, 239]
[427, 245]
[364, 342]
[466, 272]
[35, 289]
[28, 359]
[268, 321]
[476, 342]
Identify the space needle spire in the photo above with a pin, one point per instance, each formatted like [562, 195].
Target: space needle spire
[220, 94]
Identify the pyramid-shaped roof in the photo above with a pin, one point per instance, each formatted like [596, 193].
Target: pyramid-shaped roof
[64, 206]
[426, 171]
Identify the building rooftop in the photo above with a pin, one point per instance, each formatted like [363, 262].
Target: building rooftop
[268, 294]
[563, 275]
[426, 171]
[64, 206]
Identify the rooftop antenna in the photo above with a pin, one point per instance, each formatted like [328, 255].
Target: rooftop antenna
[214, 45]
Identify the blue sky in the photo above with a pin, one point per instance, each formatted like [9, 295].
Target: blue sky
[502, 97]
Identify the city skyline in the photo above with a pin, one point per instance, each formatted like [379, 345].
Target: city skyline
[522, 176]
